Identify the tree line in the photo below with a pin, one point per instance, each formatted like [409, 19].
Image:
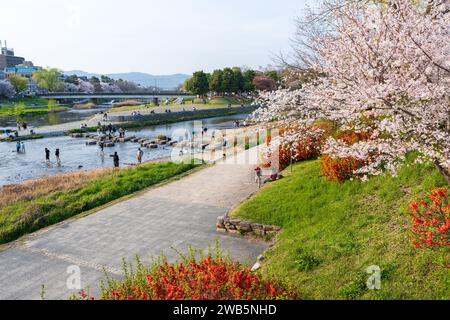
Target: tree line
[231, 81]
[53, 80]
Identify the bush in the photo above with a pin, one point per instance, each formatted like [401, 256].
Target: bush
[209, 278]
[307, 146]
[431, 220]
[351, 137]
[340, 169]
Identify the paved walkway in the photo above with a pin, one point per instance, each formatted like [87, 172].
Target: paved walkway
[180, 214]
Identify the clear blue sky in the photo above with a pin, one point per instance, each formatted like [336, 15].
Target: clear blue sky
[153, 36]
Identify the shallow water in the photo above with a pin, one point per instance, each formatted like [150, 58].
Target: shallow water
[51, 118]
[15, 168]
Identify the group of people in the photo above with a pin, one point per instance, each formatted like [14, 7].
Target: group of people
[110, 130]
[21, 126]
[116, 158]
[274, 175]
[57, 156]
[20, 147]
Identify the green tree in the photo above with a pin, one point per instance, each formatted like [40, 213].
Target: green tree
[227, 80]
[238, 80]
[187, 85]
[96, 83]
[106, 79]
[200, 84]
[48, 79]
[73, 79]
[274, 75]
[215, 83]
[249, 75]
[19, 83]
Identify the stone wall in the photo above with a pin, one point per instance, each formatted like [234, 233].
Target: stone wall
[237, 226]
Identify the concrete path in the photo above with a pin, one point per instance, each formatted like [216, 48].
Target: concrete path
[180, 214]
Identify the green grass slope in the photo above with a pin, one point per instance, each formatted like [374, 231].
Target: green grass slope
[333, 232]
[29, 215]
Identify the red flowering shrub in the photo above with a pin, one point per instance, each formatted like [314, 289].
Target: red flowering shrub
[342, 169]
[307, 146]
[207, 279]
[431, 220]
[350, 137]
[339, 169]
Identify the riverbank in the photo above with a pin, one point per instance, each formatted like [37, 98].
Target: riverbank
[141, 121]
[22, 138]
[169, 218]
[331, 233]
[33, 205]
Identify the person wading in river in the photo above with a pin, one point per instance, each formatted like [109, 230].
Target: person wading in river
[140, 153]
[47, 156]
[115, 157]
[58, 159]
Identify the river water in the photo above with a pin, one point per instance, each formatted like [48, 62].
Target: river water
[52, 118]
[15, 168]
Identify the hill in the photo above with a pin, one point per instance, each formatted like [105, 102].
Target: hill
[333, 232]
[166, 82]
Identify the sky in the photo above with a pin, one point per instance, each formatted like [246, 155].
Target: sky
[151, 36]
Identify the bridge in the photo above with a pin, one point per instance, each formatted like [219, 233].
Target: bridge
[115, 96]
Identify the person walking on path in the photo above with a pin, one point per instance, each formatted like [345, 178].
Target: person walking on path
[140, 153]
[47, 156]
[258, 176]
[22, 147]
[115, 157]
[58, 159]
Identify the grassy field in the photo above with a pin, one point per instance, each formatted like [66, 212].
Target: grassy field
[30, 206]
[333, 232]
[27, 101]
[218, 102]
[22, 107]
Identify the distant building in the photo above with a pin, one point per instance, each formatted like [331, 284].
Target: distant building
[7, 57]
[25, 72]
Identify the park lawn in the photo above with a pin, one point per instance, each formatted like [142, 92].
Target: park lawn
[220, 102]
[333, 232]
[27, 101]
[18, 112]
[34, 205]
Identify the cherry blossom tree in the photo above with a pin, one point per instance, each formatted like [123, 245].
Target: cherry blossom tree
[383, 67]
[86, 87]
[110, 87]
[7, 89]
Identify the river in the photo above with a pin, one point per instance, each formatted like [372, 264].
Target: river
[15, 168]
[52, 118]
